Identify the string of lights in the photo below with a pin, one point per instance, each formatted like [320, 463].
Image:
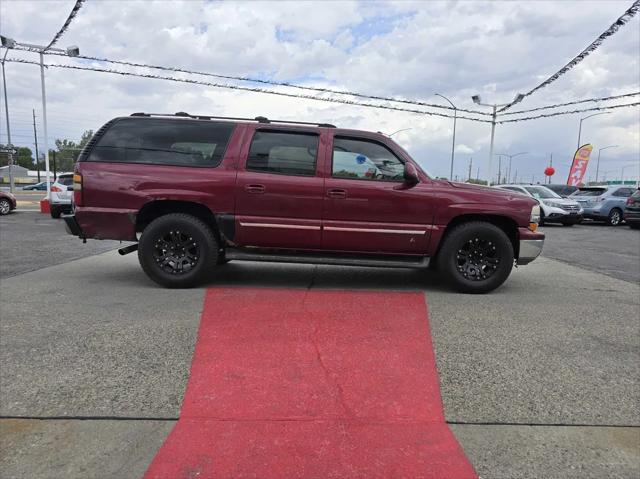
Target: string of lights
[547, 115]
[273, 82]
[558, 105]
[74, 11]
[593, 46]
[246, 88]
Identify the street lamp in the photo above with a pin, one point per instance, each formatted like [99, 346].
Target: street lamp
[582, 119]
[398, 131]
[453, 142]
[476, 99]
[511, 157]
[598, 162]
[71, 51]
[622, 172]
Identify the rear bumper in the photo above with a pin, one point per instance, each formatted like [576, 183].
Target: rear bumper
[530, 246]
[72, 226]
[631, 216]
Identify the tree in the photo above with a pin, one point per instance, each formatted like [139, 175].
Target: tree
[68, 150]
[24, 157]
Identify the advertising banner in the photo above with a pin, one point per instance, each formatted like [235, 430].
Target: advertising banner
[579, 165]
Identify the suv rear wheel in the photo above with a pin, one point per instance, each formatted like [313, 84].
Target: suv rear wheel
[476, 257]
[177, 250]
[615, 217]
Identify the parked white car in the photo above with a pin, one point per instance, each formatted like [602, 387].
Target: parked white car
[553, 207]
[61, 194]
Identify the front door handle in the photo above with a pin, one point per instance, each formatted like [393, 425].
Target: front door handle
[337, 193]
[254, 189]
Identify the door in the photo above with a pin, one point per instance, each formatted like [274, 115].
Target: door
[279, 192]
[366, 206]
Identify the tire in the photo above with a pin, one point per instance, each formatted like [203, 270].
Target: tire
[5, 206]
[55, 212]
[494, 253]
[177, 250]
[615, 217]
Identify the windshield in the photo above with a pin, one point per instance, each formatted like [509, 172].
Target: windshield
[540, 192]
[590, 192]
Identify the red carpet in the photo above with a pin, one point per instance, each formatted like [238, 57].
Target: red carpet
[312, 384]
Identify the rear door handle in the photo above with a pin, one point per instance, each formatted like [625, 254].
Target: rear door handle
[337, 193]
[255, 189]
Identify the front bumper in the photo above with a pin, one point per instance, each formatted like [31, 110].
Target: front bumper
[72, 226]
[530, 245]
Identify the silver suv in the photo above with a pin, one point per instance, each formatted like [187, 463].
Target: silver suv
[61, 194]
[553, 207]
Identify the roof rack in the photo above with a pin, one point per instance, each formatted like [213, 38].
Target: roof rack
[259, 119]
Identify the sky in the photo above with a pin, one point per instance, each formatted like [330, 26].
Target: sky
[405, 49]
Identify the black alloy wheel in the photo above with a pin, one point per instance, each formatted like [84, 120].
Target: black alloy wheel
[476, 257]
[177, 250]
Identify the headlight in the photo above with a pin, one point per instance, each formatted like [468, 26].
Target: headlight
[553, 204]
[534, 219]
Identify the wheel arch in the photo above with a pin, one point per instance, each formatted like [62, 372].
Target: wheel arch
[157, 208]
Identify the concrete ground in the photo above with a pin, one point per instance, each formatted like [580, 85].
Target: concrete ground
[539, 379]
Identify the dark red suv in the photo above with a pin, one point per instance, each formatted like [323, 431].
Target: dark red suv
[196, 191]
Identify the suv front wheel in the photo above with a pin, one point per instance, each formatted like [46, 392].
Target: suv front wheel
[476, 257]
[177, 250]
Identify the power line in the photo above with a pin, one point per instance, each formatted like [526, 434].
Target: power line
[273, 82]
[558, 105]
[547, 115]
[593, 46]
[74, 12]
[246, 88]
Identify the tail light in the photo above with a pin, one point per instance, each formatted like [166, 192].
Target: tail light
[55, 189]
[77, 189]
[630, 201]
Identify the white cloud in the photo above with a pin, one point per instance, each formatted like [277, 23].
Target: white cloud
[405, 49]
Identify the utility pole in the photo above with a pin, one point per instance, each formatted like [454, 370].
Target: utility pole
[515, 177]
[35, 139]
[6, 110]
[478, 174]
[499, 168]
[55, 177]
[470, 164]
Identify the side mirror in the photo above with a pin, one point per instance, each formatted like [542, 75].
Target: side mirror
[69, 188]
[410, 176]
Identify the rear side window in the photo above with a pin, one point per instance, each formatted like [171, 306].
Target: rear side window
[163, 142]
[65, 180]
[283, 153]
[623, 192]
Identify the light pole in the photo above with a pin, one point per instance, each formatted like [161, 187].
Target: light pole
[476, 99]
[6, 110]
[510, 158]
[453, 142]
[72, 51]
[598, 161]
[622, 173]
[582, 119]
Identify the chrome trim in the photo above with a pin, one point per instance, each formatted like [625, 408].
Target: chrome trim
[278, 225]
[529, 250]
[375, 230]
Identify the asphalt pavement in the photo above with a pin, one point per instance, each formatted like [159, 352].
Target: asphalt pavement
[539, 378]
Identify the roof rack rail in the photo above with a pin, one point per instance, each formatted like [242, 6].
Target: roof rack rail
[259, 119]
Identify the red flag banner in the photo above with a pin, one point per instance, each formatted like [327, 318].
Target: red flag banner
[579, 165]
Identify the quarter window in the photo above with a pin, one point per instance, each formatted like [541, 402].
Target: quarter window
[283, 153]
[623, 192]
[163, 142]
[365, 160]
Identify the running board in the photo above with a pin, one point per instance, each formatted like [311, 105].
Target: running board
[329, 259]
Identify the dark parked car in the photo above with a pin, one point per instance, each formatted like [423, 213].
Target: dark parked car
[7, 203]
[42, 186]
[199, 191]
[632, 211]
[562, 190]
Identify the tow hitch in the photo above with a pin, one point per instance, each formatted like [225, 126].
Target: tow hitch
[128, 249]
